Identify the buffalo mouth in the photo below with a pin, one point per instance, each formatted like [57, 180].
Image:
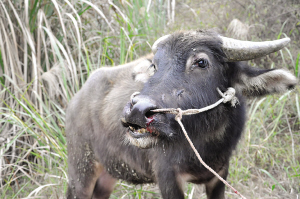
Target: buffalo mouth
[142, 137]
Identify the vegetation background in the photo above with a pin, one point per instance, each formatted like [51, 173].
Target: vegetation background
[48, 48]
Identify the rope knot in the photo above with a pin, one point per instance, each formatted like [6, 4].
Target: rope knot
[229, 96]
[179, 114]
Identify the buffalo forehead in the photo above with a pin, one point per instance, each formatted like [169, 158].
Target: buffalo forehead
[179, 47]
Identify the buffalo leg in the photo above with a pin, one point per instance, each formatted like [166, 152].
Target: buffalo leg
[83, 171]
[169, 185]
[104, 186]
[81, 186]
[215, 189]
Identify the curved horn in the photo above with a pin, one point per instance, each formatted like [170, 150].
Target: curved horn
[237, 50]
[154, 46]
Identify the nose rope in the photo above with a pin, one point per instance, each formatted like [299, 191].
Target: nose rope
[228, 96]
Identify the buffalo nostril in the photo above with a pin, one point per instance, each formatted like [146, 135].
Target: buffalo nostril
[150, 114]
[140, 111]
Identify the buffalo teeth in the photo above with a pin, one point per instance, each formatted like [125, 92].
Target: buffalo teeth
[142, 131]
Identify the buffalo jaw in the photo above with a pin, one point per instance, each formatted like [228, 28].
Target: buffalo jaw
[143, 138]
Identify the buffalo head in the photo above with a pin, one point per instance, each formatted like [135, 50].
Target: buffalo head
[189, 67]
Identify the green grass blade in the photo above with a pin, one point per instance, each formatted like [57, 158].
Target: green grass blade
[274, 179]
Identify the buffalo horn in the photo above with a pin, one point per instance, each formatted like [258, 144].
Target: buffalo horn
[237, 50]
[154, 46]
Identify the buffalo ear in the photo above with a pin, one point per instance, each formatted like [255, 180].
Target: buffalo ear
[257, 82]
[142, 71]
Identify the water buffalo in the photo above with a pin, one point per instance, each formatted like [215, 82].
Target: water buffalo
[113, 134]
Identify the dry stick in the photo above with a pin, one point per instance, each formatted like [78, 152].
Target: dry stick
[227, 96]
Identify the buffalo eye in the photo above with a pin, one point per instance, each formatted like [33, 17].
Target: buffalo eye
[201, 63]
[154, 67]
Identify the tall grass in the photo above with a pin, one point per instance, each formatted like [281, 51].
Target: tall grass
[47, 51]
[48, 48]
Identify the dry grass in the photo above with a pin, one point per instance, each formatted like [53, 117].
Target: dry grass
[48, 49]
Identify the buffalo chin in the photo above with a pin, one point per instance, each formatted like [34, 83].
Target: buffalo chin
[142, 138]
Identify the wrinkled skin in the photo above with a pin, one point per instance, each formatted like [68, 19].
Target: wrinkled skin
[111, 136]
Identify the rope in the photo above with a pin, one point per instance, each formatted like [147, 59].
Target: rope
[228, 96]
